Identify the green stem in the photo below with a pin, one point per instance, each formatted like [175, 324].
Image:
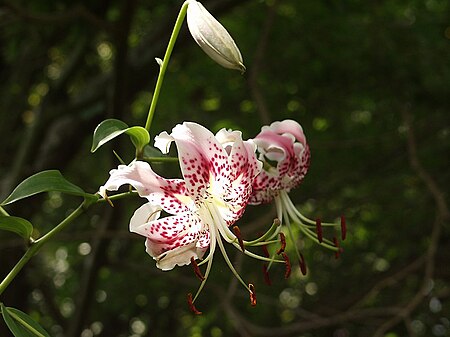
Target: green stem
[165, 62]
[161, 159]
[36, 245]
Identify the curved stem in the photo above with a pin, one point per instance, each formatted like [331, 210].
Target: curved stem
[36, 245]
[165, 62]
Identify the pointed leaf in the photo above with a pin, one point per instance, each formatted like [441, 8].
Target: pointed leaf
[21, 324]
[17, 225]
[107, 130]
[44, 181]
[111, 128]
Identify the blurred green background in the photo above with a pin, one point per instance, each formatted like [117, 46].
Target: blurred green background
[368, 80]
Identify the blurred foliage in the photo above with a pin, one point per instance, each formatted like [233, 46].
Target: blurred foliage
[346, 70]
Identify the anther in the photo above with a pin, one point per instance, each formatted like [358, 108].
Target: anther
[287, 273]
[319, 230]
[266, 275]
[252, 295]
[337, 253]
[302, 264]
[343, 228]
[265, 251]
[283, 243]
[277, 222]
[192, 306]
[237, 232]
[197, 270]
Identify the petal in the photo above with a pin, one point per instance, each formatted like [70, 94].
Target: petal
[138, 174]
[170, 232]
[202, 158]
[144, 214]
[288, 127]
[179, 256]
[244, 167]
[168, 193]
[163, 142]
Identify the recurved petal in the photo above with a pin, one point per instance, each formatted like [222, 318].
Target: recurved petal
[138, 174]
[179, 256]
[168, 193]
[144, 214]
[168, 233]
[289, 128]
[163, 142]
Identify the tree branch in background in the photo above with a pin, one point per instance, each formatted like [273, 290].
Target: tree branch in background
[442, 215]
[252, 81]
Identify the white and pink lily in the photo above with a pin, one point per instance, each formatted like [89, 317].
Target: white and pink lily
[218, 174]
[283, 149]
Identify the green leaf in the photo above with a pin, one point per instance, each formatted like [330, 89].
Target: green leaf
[20, 324]
[111, 128]
[20, 226]
[139, 136]
[107, 130]
[44, 181]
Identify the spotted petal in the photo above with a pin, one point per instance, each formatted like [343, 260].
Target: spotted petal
[171, 240]
[202, 157]
[283, 148]
[170, 194]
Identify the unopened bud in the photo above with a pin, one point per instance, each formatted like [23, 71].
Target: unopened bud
[212, 37]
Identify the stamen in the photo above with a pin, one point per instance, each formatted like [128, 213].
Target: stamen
[343, 228]
[283, 243]
[109, 200]
[287, 273]
[319, 230]
[191, 305]
[265, 251]
[251, 288]
[266, 275]
[237, 232]
[197, 270]
[302, 264]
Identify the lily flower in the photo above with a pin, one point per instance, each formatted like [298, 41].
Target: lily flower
[283, 149]
[218, 173]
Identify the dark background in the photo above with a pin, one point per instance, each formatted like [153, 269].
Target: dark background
[368, 81]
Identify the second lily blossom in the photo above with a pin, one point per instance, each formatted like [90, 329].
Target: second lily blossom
[283, 149]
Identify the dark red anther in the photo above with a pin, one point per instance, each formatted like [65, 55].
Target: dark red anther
[302, 264]
[265, 251]
[252, 295]
[287, 273]
[337, 253]
[283, 243]
[191, 305]
[237, 232]
[266, 275]
[343, 228]
[197, 270]
[319, 230]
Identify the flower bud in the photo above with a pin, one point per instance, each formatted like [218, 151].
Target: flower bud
[212, 37]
